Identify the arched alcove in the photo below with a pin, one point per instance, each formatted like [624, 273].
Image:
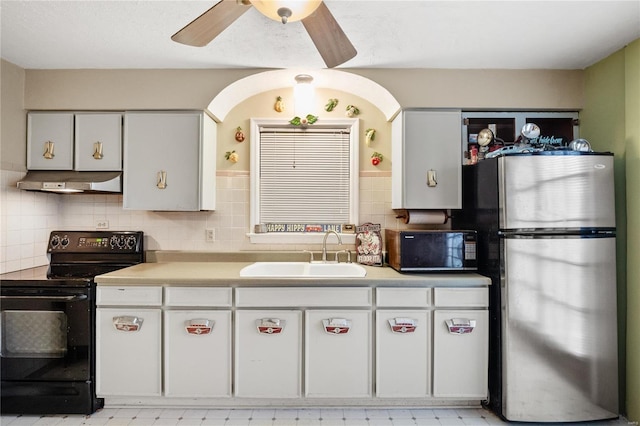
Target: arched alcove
[249, 86]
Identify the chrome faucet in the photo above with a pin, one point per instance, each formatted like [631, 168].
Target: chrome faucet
[324, 243]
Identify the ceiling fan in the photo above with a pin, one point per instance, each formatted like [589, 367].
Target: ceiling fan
[331, 42]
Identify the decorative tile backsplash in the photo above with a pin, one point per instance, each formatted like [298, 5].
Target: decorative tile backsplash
[26, 218]
[29, 217]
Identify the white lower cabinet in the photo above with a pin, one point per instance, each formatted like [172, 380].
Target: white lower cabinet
[460, 353]
[403, 353]
[197, 353]
[338, 353]
[292, 344]
[128, 352]
[268, 357]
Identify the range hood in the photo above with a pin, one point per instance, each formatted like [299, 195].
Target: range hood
[69, 181]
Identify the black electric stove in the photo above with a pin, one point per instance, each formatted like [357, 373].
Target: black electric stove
[48, 322]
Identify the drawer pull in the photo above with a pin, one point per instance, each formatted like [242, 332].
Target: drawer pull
[403, 325]
[127, 323]
[432, 178]
[270, 325]
[162, 180]
[48, 150]
[336, 325]
[97, 150]
[199, 326]
[460, 325]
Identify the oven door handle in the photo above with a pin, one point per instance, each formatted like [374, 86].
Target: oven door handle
[73, 298]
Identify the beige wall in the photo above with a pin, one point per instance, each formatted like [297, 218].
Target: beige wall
[177, 89]
[13, 149]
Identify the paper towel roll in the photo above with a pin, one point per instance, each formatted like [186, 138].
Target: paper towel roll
[428, 217]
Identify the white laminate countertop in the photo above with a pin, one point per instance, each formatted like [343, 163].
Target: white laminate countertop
[186, 273]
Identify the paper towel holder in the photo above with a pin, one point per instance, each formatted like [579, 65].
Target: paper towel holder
[423, 217]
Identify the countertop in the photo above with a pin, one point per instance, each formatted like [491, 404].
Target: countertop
[225, 273]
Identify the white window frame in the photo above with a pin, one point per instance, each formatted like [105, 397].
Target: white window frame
[301, 237]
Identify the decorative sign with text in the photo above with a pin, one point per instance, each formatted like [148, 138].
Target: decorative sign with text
[301, 227]
[548, 140]
[369, 244]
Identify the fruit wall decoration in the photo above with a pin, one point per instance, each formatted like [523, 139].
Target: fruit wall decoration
[239, 134]
[376, 158]
[304, 121]
[279, 105]
[232, 156]
[369, 135]
[333, 102]
[352, 111]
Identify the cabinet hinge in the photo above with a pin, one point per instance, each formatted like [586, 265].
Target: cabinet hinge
[576, 122]
[465, 121]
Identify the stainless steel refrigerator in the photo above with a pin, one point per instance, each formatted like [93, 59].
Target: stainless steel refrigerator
[546, 237]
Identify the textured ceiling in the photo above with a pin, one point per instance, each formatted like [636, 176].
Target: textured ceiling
[476, 34]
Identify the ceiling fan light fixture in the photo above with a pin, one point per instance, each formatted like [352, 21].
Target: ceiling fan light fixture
[285, 14]
[286, 10]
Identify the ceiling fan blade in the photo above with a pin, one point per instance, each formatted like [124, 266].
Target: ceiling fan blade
[332, 43]
[210, 24]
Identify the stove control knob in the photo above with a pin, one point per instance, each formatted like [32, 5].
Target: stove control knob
[113, 241]
[65, 241]
[130, 242]
[121, 242]
[55, 241]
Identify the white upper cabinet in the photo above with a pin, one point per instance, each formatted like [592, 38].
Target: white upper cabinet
[74, 141]
[169, 161]
[50, 141]
[98, 141]
[426, 150]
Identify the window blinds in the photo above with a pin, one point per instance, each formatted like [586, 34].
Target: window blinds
[304, 176]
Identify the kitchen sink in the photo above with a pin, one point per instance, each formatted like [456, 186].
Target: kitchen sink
[303, 270]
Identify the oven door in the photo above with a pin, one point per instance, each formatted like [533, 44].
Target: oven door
[46, 348]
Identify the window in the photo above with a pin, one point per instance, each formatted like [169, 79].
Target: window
[302, 176]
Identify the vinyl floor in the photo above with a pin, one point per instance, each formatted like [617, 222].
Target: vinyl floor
[275, 417]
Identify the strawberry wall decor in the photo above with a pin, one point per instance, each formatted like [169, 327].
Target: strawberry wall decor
[376, 158]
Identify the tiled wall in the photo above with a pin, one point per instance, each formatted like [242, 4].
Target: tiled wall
[26, 220]
[28, 217]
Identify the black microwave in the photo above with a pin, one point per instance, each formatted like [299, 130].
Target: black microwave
[423, 251]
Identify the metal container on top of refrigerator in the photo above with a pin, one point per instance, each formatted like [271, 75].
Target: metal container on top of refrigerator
[546, 237]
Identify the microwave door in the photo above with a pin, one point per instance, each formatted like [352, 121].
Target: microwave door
[437, 251]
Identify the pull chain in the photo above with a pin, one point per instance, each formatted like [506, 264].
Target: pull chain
[294, 150]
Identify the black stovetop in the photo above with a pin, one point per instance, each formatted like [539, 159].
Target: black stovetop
[77, 257]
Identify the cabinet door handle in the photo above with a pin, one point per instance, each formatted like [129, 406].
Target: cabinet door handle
[432, 178]
[48, 150]
[270, 325]
[460, 325]
[336, 325]
[162, 179]
[403, 325]
[97, 150]
[199, 326]
[127, 323]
